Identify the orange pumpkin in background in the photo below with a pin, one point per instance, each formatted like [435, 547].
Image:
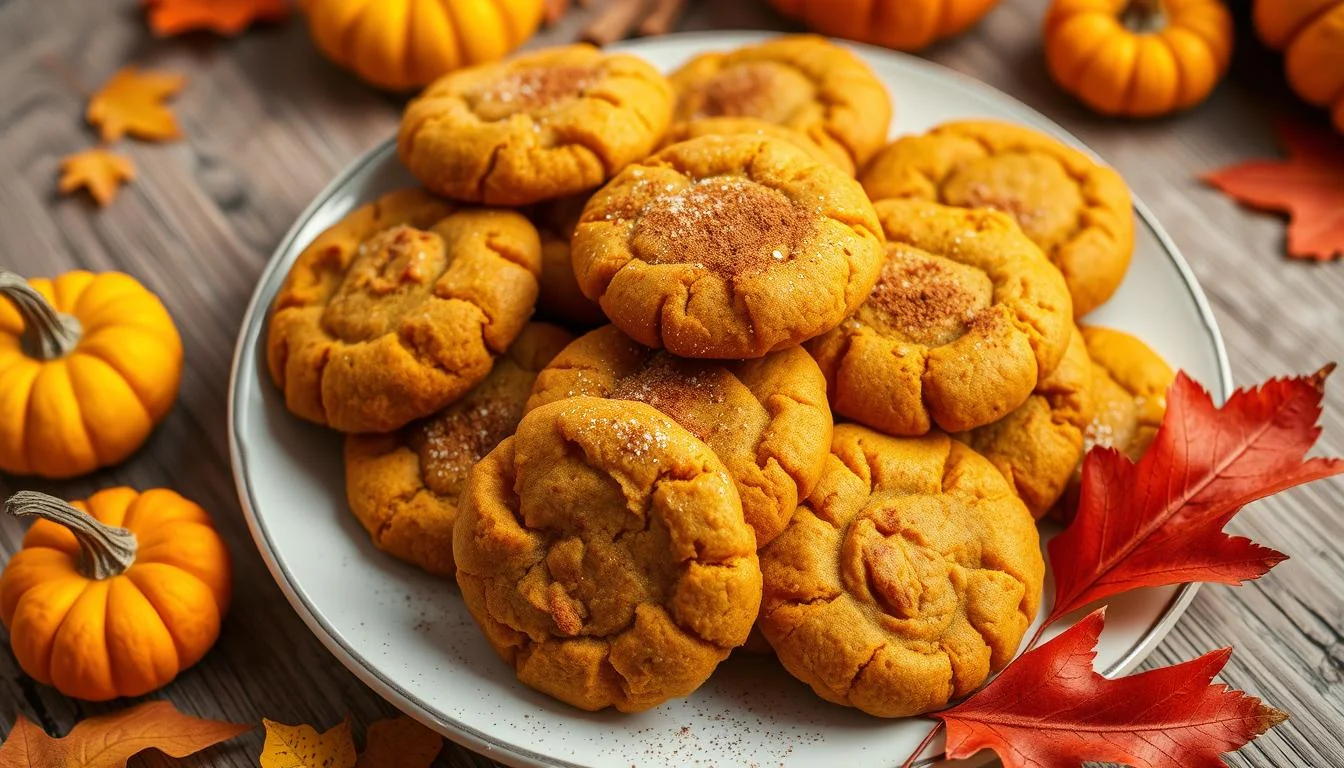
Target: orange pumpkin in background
[1138, 58]
[906, 25]
[403, 44]
[1311, 35]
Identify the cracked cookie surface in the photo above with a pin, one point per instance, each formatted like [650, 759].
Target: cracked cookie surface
[803, 82]
[965, 318]
[404, 486]
[767, 419]
[730, 126]
[908, 577]
[1037, 447]
[1078, 211]
[728, 247]
[535, 127]
[398, 309]
[603, 552]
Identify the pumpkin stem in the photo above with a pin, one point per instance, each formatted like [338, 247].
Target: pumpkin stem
[1144, 16]
[47, 334]
[104, 551]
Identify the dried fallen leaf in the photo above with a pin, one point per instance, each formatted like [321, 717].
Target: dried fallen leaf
[1308, 186]
[225, 17]
[399, 743]
[1160, 521]
[97, 170]
[1050, 708]
[108, 741]
[299, 746]
[132, 103]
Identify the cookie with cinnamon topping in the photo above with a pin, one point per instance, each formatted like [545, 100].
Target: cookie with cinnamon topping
[803, 82]
[404, 486]
[1077, 210]
[728, 247]
[966, 317]
[603, 552]
[907, 578]
[536, 127]
[400, 308]
[767, 419]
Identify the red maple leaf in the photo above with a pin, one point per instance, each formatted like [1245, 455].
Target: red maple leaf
[1308, 186]
[1160, 521]
[1050, 708]
[225, 17]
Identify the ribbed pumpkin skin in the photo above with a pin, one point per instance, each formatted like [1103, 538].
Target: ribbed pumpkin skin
[125, 635]
[404, 44]
[906, 25]
[1311, 35]
[95, 406]
[1117, 71]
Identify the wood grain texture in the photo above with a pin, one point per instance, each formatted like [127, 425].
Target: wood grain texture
[269, 122]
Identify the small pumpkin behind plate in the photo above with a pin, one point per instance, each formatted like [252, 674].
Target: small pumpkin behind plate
[1309, 32]
[906, 25]
[403, 44]
[115, 595]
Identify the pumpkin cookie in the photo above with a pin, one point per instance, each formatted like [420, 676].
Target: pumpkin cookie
[537, 127]
[1078, 211]
[404, 486]
[1037, 446]
[728, 247]
[603, 552]
[1129, 389]
[907, 578]
[803, 82]
[560, 299]
[767, 419]
[398, 309]
[731, 126]
[965, 319]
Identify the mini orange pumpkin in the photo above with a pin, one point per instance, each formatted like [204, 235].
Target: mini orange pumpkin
[89, 364]
[1311, 35]
[401, 44]
[906, 25]
[1138, 58]
[113, 596]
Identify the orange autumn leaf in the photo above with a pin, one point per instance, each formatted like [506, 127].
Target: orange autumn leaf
[299, 746]
[400, 743]
[225, 17]
[99, 171]
[132, 103]
[108, 741]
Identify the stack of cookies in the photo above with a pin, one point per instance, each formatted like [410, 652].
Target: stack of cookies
[621, 509]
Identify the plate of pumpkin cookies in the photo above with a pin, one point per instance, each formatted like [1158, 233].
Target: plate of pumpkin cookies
[705, 399]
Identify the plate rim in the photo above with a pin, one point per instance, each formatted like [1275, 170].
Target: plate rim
[255, 315]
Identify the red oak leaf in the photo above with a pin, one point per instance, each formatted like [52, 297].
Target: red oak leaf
[1308, 186]
[1160, 521]
[1049, 708]
[225, 17]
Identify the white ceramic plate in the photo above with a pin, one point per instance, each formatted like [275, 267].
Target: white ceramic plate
[408, 636]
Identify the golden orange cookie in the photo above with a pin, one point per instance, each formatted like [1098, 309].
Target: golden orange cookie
[560, 299]
[728, 247]
[1037, 447]
[1077, 210]
[767, 419]
[804, 82]
[1129, 389]
[404, 486]
[907, 578]
[536, 127]
[400, 308]
[730, 126]
[602, 551]
[965, 319]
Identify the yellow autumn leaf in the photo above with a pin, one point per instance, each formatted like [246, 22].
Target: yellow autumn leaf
[399, 743]
[132, 103]
[299, 746]
[99, 171]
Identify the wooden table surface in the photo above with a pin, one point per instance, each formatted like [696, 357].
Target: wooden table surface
[269, 122]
